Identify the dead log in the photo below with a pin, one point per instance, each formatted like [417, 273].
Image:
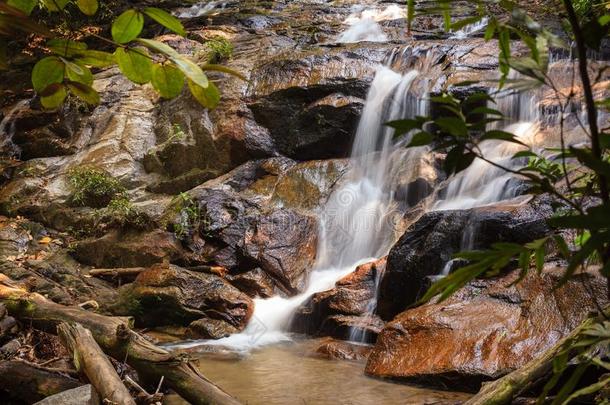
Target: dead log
[117, 340]
[28, 383]
[90, 360]
[505, 389]
[127, 273]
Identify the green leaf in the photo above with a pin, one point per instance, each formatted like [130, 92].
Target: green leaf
[208, 96]
[54, 96]
[165, 19]
[167, 80]
[78, 73]
[84, 92]
[223, 69]
[55, 5]
[465, 21]
[420, 139]
[603, 382]
[47, 71]
[191, 70]
[452, 125]
[501, 135]
[24, 5]
[66, 47]
[160, 47]
[96, 58]
[135, 64]
[127, 26]
[87, 7]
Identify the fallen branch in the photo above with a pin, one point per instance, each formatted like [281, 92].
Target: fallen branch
[122, 273]
[116, 339]
[31, 384]
[505, 389]
[91, 361]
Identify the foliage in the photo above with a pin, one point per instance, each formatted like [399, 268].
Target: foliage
[189, 215]
[220, 47]
[120, 212]
[577, 176]
[93, 187]
[67, 67]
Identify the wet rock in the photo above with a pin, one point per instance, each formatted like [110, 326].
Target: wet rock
[335, 312]
[484, 331]
[430, 243]
[207, 328]
[85, 394]
[168, 294]
[283, 244]
[255, 283]
[131, 249]
[341, 350]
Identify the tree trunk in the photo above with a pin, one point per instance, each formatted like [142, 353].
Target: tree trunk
[119, 341]
[90, 360]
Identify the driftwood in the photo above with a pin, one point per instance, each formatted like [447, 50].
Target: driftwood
[117, 340]
[30, 383]
[505, 389]
[90, 360]
[127, 273]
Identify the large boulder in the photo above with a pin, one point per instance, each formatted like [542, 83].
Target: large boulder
[429, 243]
[486, 330]
[167, 294]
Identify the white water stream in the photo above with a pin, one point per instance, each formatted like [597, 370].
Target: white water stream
[356, 224]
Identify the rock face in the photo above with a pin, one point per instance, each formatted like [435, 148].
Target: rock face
[168, 293]
[430, 242]
[485, 330]
[335, 312]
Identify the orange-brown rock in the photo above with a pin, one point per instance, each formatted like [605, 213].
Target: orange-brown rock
[332, 349]
[334, 312]
[486, 330]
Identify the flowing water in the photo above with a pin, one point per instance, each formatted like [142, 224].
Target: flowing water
[7, 129]
[364, 25]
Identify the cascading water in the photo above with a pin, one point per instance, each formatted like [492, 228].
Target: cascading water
[7, 129]
[482, 183]
[200, 9]
[356, 223]
[364, 26]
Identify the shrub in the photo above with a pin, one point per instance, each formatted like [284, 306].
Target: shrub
[220, 49]
[93, 187]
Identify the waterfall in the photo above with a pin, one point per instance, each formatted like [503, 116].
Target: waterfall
[199, 9]
[356, 223]
[482, 183]
[7, 129]
[364, 26]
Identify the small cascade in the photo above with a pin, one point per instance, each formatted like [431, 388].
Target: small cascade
[357, 334]
[470, 29]
[364, 26]
[482, 183]
[357, 223]
[7, 129]
[199, 9]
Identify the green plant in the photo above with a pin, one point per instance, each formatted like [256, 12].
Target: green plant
[578, 177]
[66, 68]
[93, 187]
[220, 49]
[189, 215]
[121, 212]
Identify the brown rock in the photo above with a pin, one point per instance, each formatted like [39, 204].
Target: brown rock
[255, 283]
[484, 331]
[206, 328]
[168, 294]
[334, 312]
[341, 350]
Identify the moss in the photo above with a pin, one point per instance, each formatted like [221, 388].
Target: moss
[93, 187]
[120, 212]
[219, 49]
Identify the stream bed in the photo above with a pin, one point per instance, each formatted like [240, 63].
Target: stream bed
[291, 373]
